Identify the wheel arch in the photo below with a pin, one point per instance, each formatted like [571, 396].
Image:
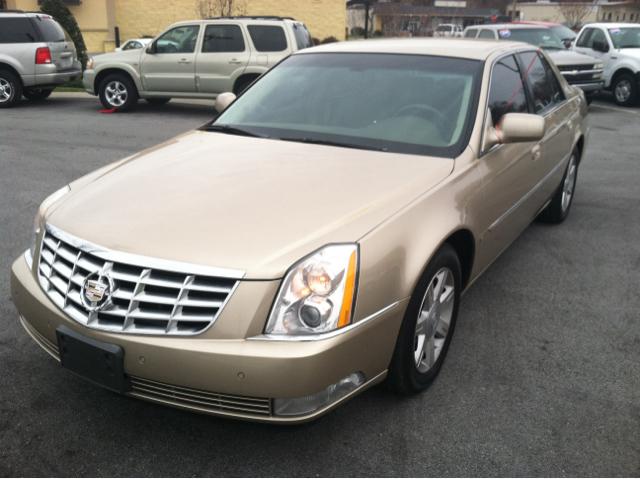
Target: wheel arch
[252, 76]
[464, 244]
[7, 66]
[579, 147]
[102, 74]
[621, 70]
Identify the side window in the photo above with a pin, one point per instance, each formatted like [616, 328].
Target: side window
[487, 34]
[303, 37]
[507, 93]
[223, 39]
[585, 38]
[557, 93]
[178, 40]
[471, 33]
[544, 94]
[16, 30]
[598, 40]
[268, 38]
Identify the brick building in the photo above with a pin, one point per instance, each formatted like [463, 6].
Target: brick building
[136, 18]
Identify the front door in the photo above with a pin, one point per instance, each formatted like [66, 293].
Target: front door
[171, 64]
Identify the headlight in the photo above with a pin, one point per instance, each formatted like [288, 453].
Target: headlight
[37, 221]
[90, 63]
[598, 66]
[317, 294]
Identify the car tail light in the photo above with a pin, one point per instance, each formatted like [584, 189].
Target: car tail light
[43, 56]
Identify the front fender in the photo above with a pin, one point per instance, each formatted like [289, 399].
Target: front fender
[100, 70]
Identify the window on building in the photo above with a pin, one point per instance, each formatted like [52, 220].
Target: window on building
[267, 38]
[3, 4]
[507, 93]
[223, 39]
[609, 16]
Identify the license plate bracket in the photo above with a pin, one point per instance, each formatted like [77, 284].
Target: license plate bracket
[99, 362]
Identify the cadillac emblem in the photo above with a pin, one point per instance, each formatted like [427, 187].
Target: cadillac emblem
[96, 291]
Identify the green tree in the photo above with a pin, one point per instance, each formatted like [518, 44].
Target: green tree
[58, 10]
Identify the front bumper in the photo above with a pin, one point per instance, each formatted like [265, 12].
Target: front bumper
[592, 87]
[225, 377]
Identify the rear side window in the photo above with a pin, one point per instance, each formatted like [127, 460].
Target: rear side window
[471, 33]
[507, 93]
[223, 39]
[542, 81]
[487, 34]
[268, 38]
[50, 29]
[17, 30]
[303, 37]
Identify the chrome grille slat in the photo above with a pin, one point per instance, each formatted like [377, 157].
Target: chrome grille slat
[144, 300]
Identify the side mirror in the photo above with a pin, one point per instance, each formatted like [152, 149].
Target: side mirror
[600, 46]
[151, 49]
[520, 128]
[223, 100]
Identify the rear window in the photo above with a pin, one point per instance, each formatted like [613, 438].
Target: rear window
[303, 37]
[17, 30]
[50, 29]
[268, 38]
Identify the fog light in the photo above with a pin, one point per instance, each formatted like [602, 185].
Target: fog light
[308, 404]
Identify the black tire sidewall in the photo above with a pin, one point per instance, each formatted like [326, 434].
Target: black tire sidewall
[554, 213]
[132, 92]
[633, 98]
[37, 94]
[16, 88]
[404, 376]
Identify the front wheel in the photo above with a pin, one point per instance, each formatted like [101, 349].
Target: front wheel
[117, 92]
[37, 94]
[428, 325]
[625, 89]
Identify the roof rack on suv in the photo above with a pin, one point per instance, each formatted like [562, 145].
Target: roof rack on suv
[11, 11]
[251, 17]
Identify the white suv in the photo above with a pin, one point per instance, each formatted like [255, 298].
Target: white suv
[617, 45]
[195, 59]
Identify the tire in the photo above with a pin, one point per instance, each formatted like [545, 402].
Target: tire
[10, 89]
[625, 89]
[157, 101]
[558, 210]
[243, 83]
[117, 92]
[589, 97]
[419, 354]
[37, 94]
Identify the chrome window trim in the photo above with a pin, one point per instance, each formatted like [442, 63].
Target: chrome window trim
[323, 336]
[107, 254]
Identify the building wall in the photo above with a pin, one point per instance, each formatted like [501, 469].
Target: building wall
[549, 12]
[324, 18]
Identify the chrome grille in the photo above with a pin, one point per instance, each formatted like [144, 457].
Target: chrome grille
[198, 399]
[144, 300]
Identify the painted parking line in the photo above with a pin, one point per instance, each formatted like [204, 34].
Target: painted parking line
[631, 111]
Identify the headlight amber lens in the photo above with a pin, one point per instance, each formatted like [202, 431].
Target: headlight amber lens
[317, 294]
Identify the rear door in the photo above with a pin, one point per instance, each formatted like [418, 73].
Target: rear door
[223, 57]
[63, 51]
[171, 67]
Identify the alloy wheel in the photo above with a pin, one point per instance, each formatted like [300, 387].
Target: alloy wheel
[623, 91]
[434, 320]
[569, 184]
[116, 93]
[6, 91]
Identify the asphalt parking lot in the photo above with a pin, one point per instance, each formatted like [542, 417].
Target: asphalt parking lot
[543, 375]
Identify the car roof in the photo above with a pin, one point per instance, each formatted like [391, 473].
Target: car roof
[612, 25]
[449, 47]
[513, 26]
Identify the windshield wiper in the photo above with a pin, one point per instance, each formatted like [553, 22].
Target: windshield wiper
[232, 130]
[340, 144]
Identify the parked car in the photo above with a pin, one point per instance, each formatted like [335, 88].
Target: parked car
[617, 45]
[448, 30]
[315, 238]
[36, 55]
[582, 71]
[134, 44]
[194, 59]
[563, 32]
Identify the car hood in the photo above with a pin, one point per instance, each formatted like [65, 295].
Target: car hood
[128, 56]
[249, 204]
[568, 57]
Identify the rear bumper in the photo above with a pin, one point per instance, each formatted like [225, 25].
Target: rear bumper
[200, 374]
[52, 79]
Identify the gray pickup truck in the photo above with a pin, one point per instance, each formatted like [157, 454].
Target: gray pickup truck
[36, 54]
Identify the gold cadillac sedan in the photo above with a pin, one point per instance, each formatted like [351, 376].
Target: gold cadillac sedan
[311, 241]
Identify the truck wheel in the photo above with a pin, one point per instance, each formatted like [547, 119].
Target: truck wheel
[117, 92]
[37, 94]
[625, 89]
[10, 89]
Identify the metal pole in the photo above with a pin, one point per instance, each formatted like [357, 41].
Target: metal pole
[366, 20]
[117, 35]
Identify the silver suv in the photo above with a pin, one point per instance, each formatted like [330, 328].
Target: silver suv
[36, 54]
[195, 59]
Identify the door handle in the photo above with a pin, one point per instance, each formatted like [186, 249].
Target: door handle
[235, 62]
[536, 152]
[184, 61]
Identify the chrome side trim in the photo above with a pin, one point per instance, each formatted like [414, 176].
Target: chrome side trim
[323, 336]
[516, 205]
[144, 261]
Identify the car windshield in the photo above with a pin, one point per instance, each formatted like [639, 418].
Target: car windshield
[563, 33]
[628, 37]
[540, 37]
[414, 104]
